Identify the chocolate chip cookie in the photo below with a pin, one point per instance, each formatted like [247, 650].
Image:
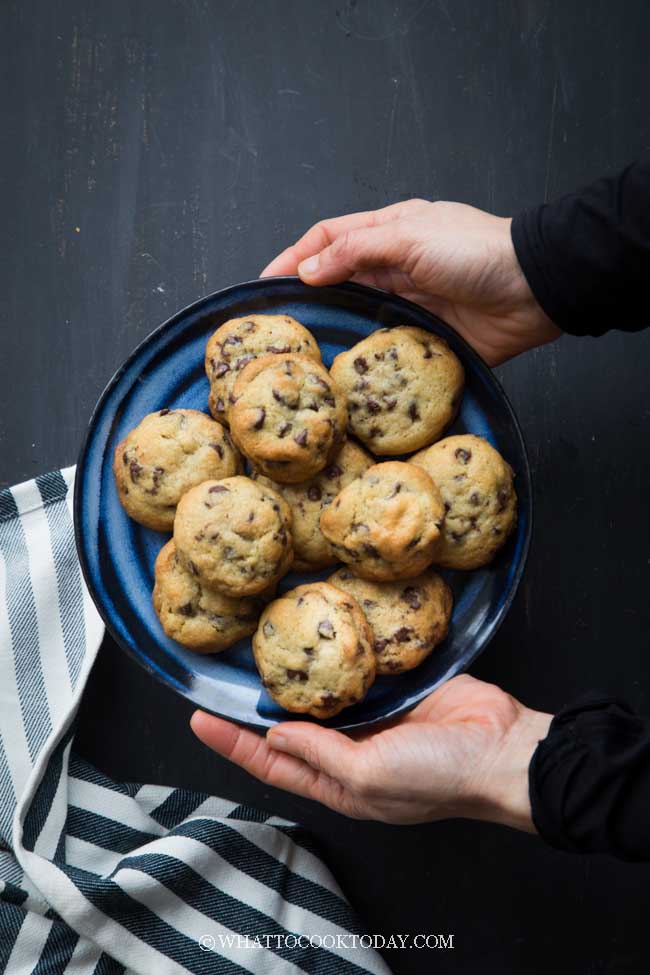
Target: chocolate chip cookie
[408, 619]
[387, 523]
[288, 417]
[234, 535]
[166, 454]
[476, 485]
[309, 499]
[201, 619]
[239, 341]
[403, 387]
[313, 649]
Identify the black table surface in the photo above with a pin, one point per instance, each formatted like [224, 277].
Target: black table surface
[156, 151]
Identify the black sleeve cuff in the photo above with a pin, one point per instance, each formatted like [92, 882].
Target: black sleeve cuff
[589, 780]
[540, 270]
[586, 256]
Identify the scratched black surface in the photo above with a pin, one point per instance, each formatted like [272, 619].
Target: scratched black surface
[155, 151]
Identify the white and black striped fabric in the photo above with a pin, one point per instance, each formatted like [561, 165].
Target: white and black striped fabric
[105, 877]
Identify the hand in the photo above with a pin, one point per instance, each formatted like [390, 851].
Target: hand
[464, 751]
[454, 260]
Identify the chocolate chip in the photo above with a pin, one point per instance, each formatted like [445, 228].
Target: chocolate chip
[232, 399]
[411, 597]
[392, 353]
[369, 603]
[502, 497]
[308, 651]
[193, 569]
[379, 356]
[278, 349]
[462, 455]
[361, 365]
[284, 430]
[125, 458]
[164, 412]
[414, 542]
[218, 489]
[277, 396]
[328, 700]
[370, 550]
[301, 438]
[268, 629]
[251, 516]
[427, 353]
[216, 620]
[220, 369]
[297, 675]
[259, 419]
[376, 432]
[219, 406]
[249, 326]
[373, 406]
[360, 386]
[199, 536]
[447, 506]
[380, 645]
[403, 634]
[245, 359]
[413, 411]
[218, 448]
[135, 470]
[186, 610]
[288, 368]
[390, 404]
[329, 400]
[333, 471]
[457, 537]
[319, 381]
[475, 498]
[232, 340]
[396, 490]
[314, 493]
[326, 630]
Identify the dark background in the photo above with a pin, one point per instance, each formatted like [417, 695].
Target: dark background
[156, 151]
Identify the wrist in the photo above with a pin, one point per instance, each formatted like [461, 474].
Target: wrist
[502, 794]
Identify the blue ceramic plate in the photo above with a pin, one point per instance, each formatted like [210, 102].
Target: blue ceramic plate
[117, 555]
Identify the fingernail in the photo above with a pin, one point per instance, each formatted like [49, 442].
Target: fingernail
[277, 741]
[310, 266]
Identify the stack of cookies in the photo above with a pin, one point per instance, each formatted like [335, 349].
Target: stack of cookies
[273, 482]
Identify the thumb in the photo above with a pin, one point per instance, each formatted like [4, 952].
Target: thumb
[357, 250]
[323, 749]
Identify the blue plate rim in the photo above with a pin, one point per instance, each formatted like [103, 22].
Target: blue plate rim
[354, 288]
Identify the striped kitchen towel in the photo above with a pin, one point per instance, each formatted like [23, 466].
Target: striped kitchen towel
[107, 877]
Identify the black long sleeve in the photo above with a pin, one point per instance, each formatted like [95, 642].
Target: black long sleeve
[587, 256]
[589, 780]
